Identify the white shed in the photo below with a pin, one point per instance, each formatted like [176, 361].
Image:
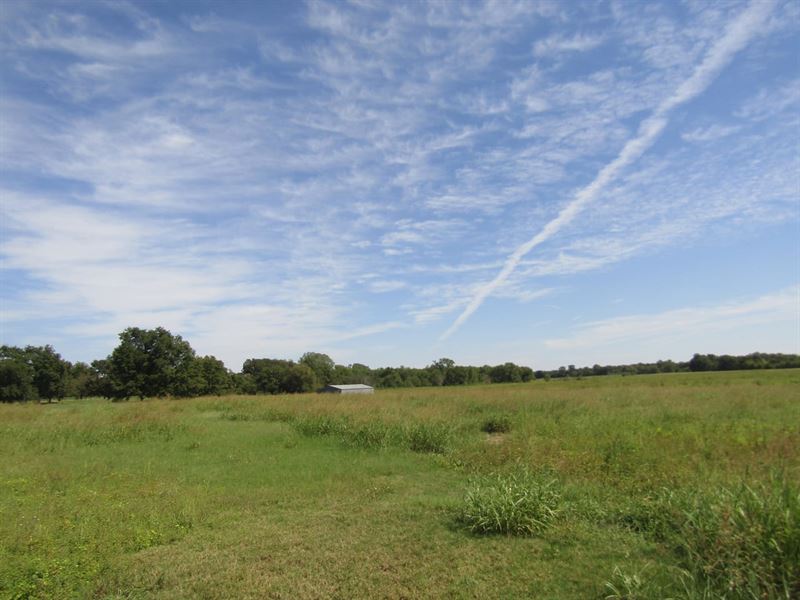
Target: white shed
[350, 388]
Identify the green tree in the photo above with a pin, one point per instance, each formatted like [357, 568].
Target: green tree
[16, 378]
[298, 379]
[100, 382]
[321, 365]
[343, 374]
[148, 363]
[38, 367]
[506, 373]
[79, 380]
[275, 376]
[456, 376]
[267, 373]
[526, 374]
[702, 362]
[444, 363]
[245, 383]
[216, 379]
[361, 374]
[50, 372]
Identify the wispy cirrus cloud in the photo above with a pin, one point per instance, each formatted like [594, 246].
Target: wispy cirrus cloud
[710, 133]
[781, 307]
[736, 37]
[558, 44]
[349, 167]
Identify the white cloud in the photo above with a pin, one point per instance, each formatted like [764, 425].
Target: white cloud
[737, 35]
[201, 171]
[782, 306]
[559, 44]
[384, 286]
[708, 134]
[768, 103]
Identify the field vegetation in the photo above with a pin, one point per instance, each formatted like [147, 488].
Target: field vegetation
[681, 485]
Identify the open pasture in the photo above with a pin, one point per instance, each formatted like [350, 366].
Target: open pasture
[682, 485]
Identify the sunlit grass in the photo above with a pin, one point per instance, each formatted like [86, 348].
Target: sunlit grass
[671, 485]
[515, 503]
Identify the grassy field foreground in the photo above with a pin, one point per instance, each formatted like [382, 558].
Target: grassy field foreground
[653, 486]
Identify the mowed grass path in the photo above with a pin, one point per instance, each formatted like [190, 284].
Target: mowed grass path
[319, 496]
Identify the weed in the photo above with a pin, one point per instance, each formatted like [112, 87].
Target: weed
[632, 586]
[434, 438]
[320, 425]
[741, 542]
[497, 424]
[515, 504]
[368, 436]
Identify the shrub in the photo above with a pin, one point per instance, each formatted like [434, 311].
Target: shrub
[514, 504]
[497, 424]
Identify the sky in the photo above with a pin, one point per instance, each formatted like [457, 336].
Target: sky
[547, 183]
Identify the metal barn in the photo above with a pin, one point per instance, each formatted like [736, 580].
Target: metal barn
[350, 388]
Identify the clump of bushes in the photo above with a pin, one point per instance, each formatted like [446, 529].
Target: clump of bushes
[741, 542]
[497, 424]
[518, 503]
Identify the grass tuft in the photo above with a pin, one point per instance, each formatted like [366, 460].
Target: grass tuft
[629, 586]
[497, 424]
[514, 504]
[433, 438]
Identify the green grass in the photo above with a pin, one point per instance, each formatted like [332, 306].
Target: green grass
[515, 504]
[682, 486]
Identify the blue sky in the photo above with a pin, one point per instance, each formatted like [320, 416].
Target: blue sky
[547, 183]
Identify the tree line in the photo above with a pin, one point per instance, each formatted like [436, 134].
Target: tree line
[156, 363]
[698, 362]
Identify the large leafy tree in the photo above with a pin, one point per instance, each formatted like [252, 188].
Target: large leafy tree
[32, 372]
[506, 373]
[217, 379]
[355, 373]
[275, 376]
[298, 379]
[148, 363]
[206, 376]
[79, 381]
[267, 373]
[16, 378]
[51, 373]
[100, 382]
[321, 364]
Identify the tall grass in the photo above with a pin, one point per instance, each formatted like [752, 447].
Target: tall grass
[516, 503]
[428, 437]
[687, 483]
[733, 542]
[420, 437]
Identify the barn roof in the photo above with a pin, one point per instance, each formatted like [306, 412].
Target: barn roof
[351, 386]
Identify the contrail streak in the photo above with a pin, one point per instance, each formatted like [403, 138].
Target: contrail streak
[736, 37]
